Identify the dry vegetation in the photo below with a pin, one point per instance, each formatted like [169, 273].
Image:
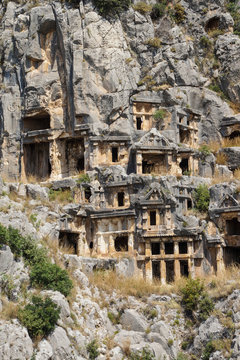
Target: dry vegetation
[221, 158]
[218, 286]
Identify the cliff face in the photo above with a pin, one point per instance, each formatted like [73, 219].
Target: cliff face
[70, 64]
[128, 123]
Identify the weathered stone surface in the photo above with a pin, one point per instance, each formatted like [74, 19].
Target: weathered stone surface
[131, 320]
[15, 343]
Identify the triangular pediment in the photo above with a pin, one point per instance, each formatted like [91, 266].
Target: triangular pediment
[155, 195]
[154, 139]
[228, 201]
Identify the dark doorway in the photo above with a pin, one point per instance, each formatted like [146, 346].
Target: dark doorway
[155, 248]
[170, 271]
[139, 123]
[169, 248]
[121, 243]
[152, 217]
[183, 248]
[91, 245]
[184, 165]
[80, 164]
[184, 268]
[147, 168]
[189, 204]
[121, 199]
[234, 135]
[37, 160]
[156, 272]
[68, 242]
[115, 154]
[233, 226]
[231, 255]
[87, 193]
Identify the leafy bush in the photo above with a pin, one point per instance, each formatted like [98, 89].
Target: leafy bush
[111, 7]
[201, 198]
[142, 7]
[92, 349]
[205, 42]
[43, 273]
[144, 354]
[178, 13]
[115, 319]
[83, 178]
[159, 10]
[51, 276]
[195, 298]
[40, 317]
[234, 9]
[159, 114]
[205, 150]
[209, 349]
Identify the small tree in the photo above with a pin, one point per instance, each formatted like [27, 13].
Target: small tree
[201, 198]
[111, 7]
[39, 317]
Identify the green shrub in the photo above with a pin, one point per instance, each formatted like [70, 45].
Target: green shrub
[154, 42]
[115, 319]
[201, 198]
[159, 114]
[158, 10]
[206, 43]
[43, 273]
[39, 317]
[234, 9]
[83, 178]
[209, 349]
[142, 7]
[182, 356]
[195, 298]
[144, 354]
[205, 150]
[60, 195]
[50, 276]
[111, 7]
[92, 349]
[178, 13]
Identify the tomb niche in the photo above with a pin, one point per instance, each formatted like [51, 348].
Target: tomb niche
[40, 121]
[37, 160]
[121, 243]
[68, 242]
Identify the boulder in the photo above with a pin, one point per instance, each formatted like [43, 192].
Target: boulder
[132, 320]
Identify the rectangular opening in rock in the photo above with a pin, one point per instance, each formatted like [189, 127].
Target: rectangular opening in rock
[36, 160]
[183, 247]
[184, 165]
[154, 164]
[233, 227]
[169, 248]
[87, 193]
[68, 242]
[75, 156]
[37, 122]
[120, 197]
[153, 218]
[139, 123]
[189, 204]
[184, 268]
[170, 271]
[184, 136]
[155, 248]
[121, 243]
[114, 154]
[156, 270]
[231, 255]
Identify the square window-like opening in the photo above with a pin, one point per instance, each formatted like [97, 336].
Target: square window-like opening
[170, 271]
[121, 243]
[233, 226]
[156, 273]
[153, 218]
[184, 268]
[68, 242]
[169, 248]
[114, 154]
[155, 248]
[183, 248]
[121, 199]
[139, 123]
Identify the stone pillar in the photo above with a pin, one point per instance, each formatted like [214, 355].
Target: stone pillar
[176, 248]
[130, 242]
[111, 247]
[139, 163]
[148, 250]
[162, 248]
[163, 271]
[177, 272]
[148, 269]
[219, 260]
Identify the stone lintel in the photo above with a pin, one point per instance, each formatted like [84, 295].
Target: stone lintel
[110, 138]
[112, 214]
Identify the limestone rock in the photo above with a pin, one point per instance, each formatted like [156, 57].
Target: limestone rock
[131, 320]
